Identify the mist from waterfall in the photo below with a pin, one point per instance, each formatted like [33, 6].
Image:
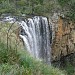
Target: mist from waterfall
[36, 38]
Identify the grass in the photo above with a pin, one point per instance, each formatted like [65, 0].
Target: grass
[20, 63]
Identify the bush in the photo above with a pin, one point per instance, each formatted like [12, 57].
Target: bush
[10, 56]
[70, 69]
[3, 53]
[7, 69]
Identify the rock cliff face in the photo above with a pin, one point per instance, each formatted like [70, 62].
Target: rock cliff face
[63, 37]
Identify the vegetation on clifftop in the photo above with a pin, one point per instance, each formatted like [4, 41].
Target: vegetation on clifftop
[38, 7]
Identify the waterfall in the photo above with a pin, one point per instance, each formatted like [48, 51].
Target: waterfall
[36, 38]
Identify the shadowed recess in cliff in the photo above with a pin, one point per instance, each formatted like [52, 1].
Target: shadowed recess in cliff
[36, 38]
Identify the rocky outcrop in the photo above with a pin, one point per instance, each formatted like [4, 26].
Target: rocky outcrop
[63, 37]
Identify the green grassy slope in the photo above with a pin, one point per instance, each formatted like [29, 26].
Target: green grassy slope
[14, 62]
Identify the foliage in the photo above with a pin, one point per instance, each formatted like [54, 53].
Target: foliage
[63, 2]
[3, 53]
[7, 7]
[25, 6]
[7, 69]
[38, 7]
[8, 55]
[68, 7]
[70, 69]
[25, 65]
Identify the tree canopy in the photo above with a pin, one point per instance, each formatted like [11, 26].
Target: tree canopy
[38, 7]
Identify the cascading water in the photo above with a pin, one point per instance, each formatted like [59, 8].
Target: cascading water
[36, 38]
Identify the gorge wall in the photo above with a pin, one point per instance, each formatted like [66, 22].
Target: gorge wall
[63, 37]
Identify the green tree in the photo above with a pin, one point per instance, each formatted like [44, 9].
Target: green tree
[68, 7]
